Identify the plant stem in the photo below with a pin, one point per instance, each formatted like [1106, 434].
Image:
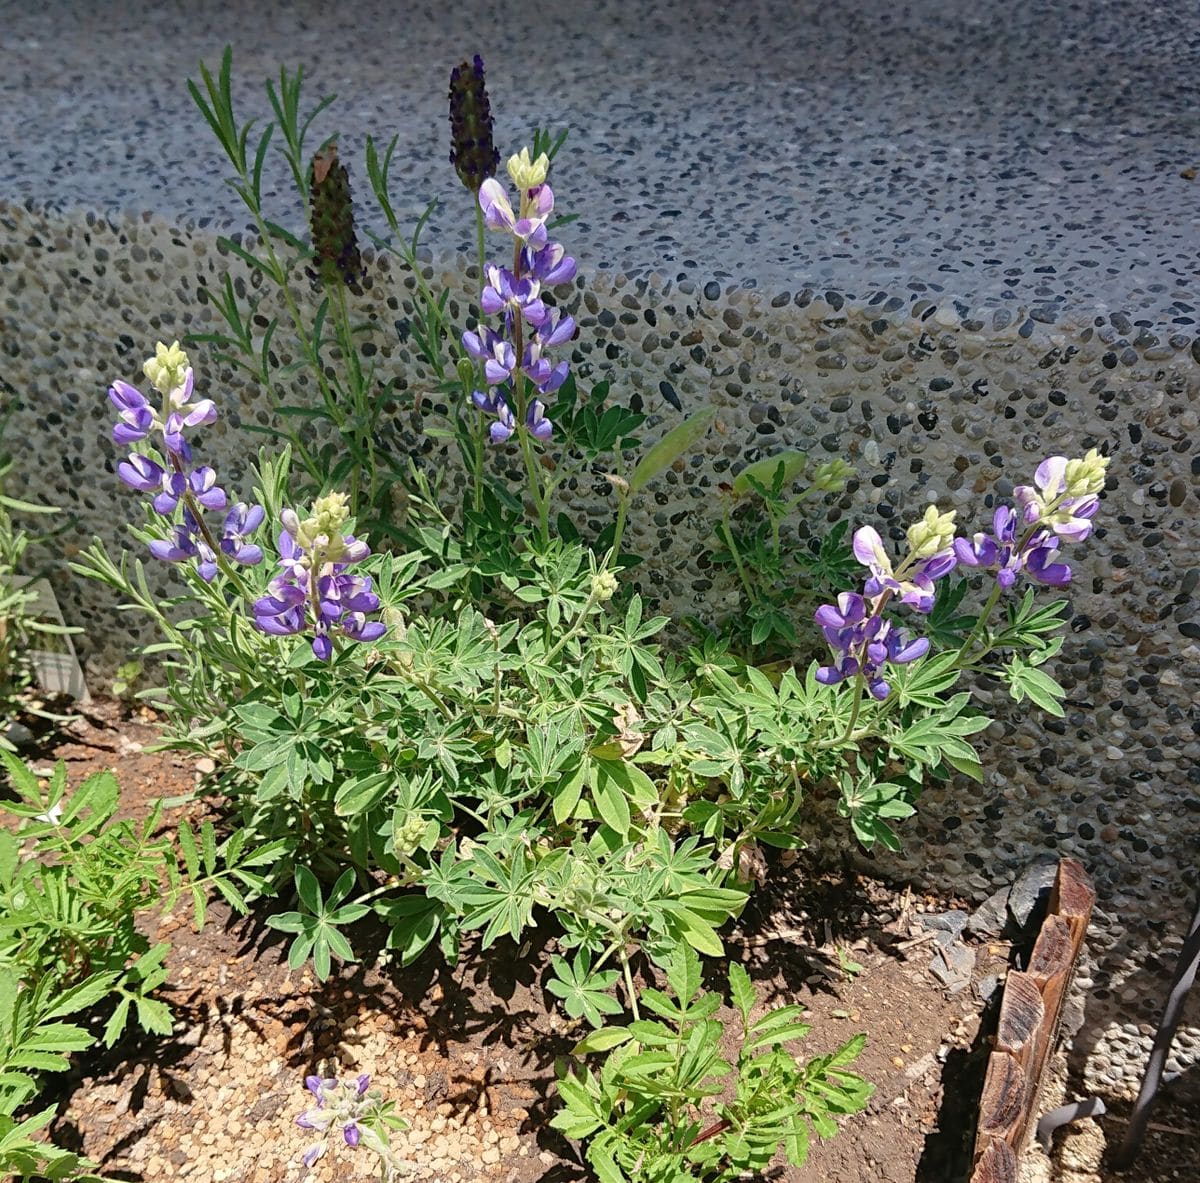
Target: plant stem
[975, 632]
[633, 1004]
[734, 553]
[361, 424]
[576, 625]
[619, 528]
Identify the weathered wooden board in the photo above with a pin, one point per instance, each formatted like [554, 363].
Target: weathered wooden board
[1030, 1014]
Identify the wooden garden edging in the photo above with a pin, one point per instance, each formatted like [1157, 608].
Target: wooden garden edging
[1030, 1013]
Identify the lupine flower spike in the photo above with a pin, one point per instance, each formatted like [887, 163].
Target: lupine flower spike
[862, 640]
[346, 1107]
[332, 212]
[517, 366]
[1058, 507]
[313, 589]
[174, 483]
[472, 149]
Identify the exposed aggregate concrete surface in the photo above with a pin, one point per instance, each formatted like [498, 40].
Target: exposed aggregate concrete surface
[942, 240]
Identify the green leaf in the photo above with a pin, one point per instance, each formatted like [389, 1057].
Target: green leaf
[603, 1040]
[116, 1022]
[669, 449]
[741, 991]
[309, 890]
[154, 1016]
[683, 974]
[566, 795]
[83, 996]
[765, 471]
[609, 797]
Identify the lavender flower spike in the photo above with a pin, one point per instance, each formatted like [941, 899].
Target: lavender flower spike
[313, 588]
[1000, 552]
[1065, 494]
[863, 643]
[472, 150]
[346, 1105]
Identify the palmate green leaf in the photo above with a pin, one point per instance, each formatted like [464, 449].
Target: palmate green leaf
[1026, 681]
[584, 993]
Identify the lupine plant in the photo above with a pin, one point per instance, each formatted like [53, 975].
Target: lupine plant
[480, 728]
[356, 1112]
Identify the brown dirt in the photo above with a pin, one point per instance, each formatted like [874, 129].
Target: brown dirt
[468, 1052]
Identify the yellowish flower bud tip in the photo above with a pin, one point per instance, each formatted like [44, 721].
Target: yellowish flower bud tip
[604, 586]
[167, 368]
[323, 530]
[933, 533]
[831, 477]
[526, 173]
[1085, 477]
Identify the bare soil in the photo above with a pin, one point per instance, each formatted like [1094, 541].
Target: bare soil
[468, 1052]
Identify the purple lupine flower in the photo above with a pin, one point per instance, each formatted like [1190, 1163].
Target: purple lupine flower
[1040, 565]
[137, 417]
[141, 473]
[493, 403]
[530, 225]
[555, 331]
[551, 265]
[182, 543]
[313, 589]
[917, 590]
[187, 541]
[546, 377]
[136, 414]
[863, 642]
[311, 1155]
[506, 294]
[196, 416]
[535, 419]
[240, 522]
[498, 356]
[350, 1133]
[1000, 552]
[201, 483]
[1070, 517]
[363, 1084]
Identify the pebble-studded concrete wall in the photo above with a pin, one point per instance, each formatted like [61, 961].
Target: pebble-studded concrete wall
[988, 238]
